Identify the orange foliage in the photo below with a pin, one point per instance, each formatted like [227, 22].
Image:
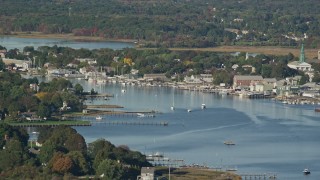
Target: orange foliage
[62, 164]
[41, 95]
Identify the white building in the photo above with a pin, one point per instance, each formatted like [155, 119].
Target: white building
[147, 173]
[24, 65]
[300, 65]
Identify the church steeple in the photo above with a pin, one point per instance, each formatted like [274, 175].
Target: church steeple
[302, 56]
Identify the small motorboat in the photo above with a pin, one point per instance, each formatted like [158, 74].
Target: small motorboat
[203, 106]
[306, 171]
[98, 118]
[229, 143]
[189, 110]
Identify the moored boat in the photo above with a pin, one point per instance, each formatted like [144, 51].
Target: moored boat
[306, 171]
[229, 143]
[98, 118]
[317, 109]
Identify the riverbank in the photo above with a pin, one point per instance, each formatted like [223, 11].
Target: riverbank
[51, 123]
[194, 173]
[268, 50]
[70, 36]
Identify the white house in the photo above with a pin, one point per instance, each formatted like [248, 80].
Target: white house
[147, 173]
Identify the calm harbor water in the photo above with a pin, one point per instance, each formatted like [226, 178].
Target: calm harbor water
[270, 137]
[20, 43]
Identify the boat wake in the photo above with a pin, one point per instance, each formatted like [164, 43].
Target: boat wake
[208, 129]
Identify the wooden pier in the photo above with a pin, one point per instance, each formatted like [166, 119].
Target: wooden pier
[98, 95]
[135, 123]
[265, 176]
[106, 106]
[47, 125]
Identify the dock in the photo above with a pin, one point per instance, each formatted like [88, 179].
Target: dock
[98, 96]
[47, 125]
[264, 176]
[106, 106]
[134, 123]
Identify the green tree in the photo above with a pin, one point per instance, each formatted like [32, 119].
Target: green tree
[43, 111]
[316, 77]
[2, 65]
[81, 164]
[78, 89]
[109, 169]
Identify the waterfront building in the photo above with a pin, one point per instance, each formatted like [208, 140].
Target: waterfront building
[245, 80]
[155, 77]
[147, 173]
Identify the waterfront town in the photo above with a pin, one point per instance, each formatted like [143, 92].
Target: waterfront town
[289, 90]
[159, 90]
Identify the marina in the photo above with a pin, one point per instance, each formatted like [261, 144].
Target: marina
[262, 127]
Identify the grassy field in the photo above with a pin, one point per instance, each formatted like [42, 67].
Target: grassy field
[268, 50]
[53, 123]
[195, 173]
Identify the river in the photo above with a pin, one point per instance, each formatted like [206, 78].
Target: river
[269, 137]
[15, 42]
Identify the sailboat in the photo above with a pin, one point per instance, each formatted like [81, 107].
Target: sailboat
[172, 107]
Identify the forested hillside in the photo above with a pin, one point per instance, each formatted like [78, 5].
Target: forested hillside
[170, 23]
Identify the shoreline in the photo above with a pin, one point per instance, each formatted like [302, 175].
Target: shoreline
[268, 50]
[70, 36]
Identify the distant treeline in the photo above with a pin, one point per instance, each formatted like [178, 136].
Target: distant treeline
[169, 23]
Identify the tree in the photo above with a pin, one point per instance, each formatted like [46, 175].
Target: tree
[2, 65]
[316, 77]
[78, 89]
[109, 169]
[61, 163]
[76, 142]
[304, 79]
[81, 165]
[43, 111]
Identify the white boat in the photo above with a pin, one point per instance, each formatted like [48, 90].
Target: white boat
[229, 143]
[99, 118]
[141, 115]
[123, 90]
[203, 106]
[232, 169]
[172, 107]
[189, 110]
[145, 115]
[306, 171]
